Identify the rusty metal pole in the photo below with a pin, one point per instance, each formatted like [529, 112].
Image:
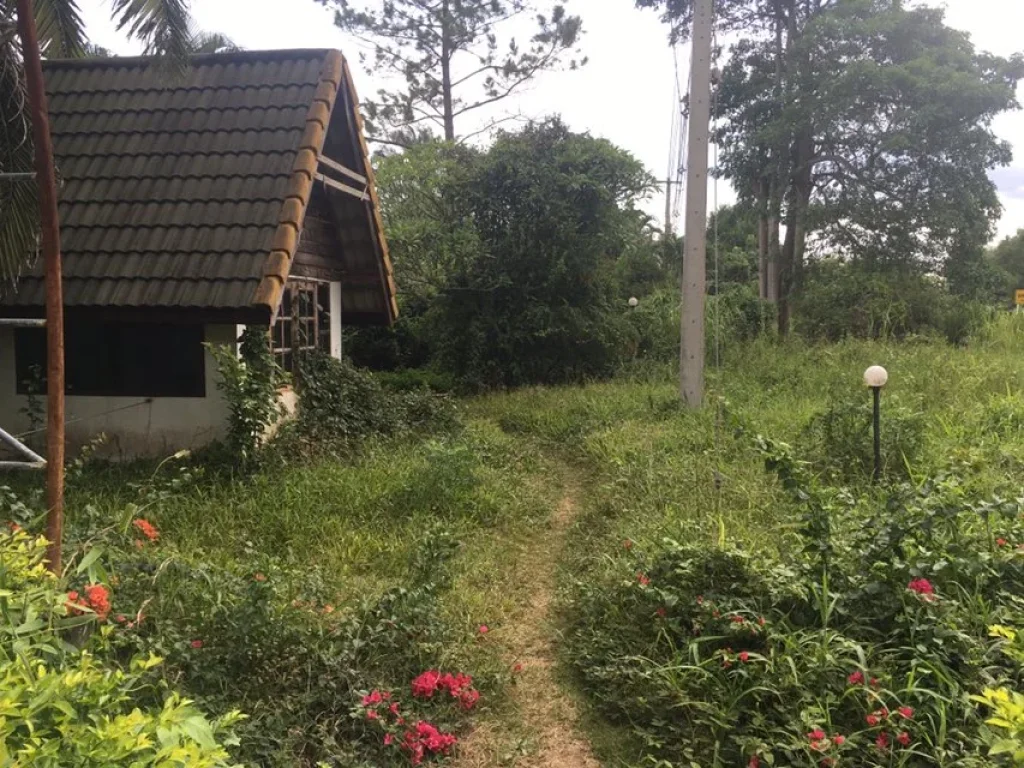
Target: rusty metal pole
[46, 181]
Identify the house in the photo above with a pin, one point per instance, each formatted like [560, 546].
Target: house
[239, 193]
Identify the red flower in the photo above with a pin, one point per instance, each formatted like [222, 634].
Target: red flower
[872, 720]
[483, 629]
[737, 620]
[875, 683]
[73, 604]
[755, 762]
[372, 698]
[517, 669]
[660, 613]
[882, 742]
[393, 708]
[371, 714]
[121, 618]
[760, 621]
[816, 735]
[147, 529]
[644, 581]
[388, 739]
[922, 587]
[1000, 542]
[906, 712]
[856, 678]
[197, 644]
[98, 598]
[744, 656]
[839, 740]
[903, 738]
[424, 686]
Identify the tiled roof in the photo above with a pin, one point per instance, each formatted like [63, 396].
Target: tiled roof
[190, 191]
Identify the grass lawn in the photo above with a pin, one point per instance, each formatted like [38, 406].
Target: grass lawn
[635, 468]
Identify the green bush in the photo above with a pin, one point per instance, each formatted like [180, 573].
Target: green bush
[340, 405]
[840, 300]
[862, 650]
[841, 441]
[65, 699]
[269, 638]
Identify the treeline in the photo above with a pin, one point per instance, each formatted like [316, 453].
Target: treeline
[516, 265]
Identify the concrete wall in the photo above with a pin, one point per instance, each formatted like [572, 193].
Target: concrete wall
[132, 426]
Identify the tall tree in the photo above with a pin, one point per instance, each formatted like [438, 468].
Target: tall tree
[451, 58]
[879, 140]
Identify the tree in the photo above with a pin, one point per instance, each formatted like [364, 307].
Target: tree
[444, 49]
[863, 127]
[554, 211]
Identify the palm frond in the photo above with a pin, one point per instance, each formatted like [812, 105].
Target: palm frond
[213, 42]
[60, 28]
[164, 26]
[19, 204]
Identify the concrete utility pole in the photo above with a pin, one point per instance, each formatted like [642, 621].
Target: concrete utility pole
[691, 359]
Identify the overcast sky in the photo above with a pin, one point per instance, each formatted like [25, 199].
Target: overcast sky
[625, 93]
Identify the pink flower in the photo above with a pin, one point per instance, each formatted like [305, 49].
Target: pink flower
[1000, 542]
[197, 644]
[393, 709]
[469, 698]
[903, 738]
[882, 742]
[856, 678]
[371, 714]
[660, 613]
[517, 669]
[816, 735]
[839, 740]
[374, 697]
[644, 581]
[483, 629]
[872, 720]
[755, 762]
[744, 656]
[388, 739]
[906, 712]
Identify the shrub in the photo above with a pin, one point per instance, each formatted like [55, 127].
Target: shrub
[841, 440]
[70, 703]
[270, 638]
[862, 650]
[339, 405]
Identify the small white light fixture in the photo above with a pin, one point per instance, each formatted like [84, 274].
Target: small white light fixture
[634, 302]
[876, 376]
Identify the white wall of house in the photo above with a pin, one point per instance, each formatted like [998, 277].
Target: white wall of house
[133, 427]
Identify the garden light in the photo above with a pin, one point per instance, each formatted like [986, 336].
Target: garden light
[633, 302]
[876, 377]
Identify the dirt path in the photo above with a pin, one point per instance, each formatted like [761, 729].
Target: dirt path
[548, 719]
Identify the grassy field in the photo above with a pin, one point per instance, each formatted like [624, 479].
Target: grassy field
[633, 468]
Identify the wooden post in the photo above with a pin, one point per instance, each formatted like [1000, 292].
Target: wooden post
[46, 180]
[691, 362]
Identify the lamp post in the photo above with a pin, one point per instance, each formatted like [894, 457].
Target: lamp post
[875, 377]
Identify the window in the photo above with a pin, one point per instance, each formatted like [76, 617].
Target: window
[304, 322]
[119, 359]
